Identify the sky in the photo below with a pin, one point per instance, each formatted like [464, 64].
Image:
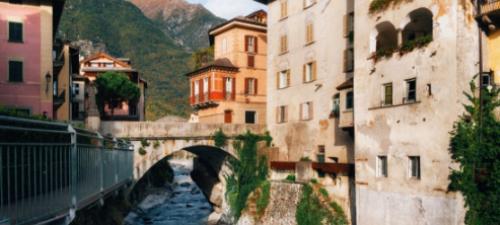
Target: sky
[230, 8]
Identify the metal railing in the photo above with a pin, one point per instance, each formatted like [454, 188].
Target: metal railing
[49, 169]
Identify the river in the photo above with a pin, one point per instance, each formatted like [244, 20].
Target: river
[181, 203]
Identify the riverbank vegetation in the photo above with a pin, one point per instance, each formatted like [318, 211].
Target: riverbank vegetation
[249, 172]
[315, 207]
[475, 145]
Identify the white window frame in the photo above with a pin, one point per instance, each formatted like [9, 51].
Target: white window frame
[251, 86]
[306, 111]
[412, 162]
[224, 46]
[283, 79]
[407, 92]
[196, 88]
[381, 170]
[250, 44]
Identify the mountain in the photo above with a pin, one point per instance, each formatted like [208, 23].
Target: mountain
[123, 30]
[186, 23]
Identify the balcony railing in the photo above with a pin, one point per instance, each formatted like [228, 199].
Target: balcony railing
[48, 169]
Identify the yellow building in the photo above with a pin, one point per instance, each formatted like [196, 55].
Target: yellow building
[489, 20]
[232, 89]
[66, 65]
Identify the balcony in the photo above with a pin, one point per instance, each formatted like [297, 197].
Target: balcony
[59, 99]
[346, 119]
[203, 102]
[489, 15]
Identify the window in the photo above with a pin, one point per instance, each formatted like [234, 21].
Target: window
[284, 9]
[284, 44]
[251, 60]
[381, 166]
[349, 60]
[414, 167]
[281, 114]
[205, 85]
[76, 89]
[309, 72]
[196, 89]
[486, 80]
[387, 38]
[15, 32]
[336, 106]
[411, 90]
[306, 111]
[349, 102]
[387, 94]
[308, 3]
[283, 79]
[251, 44]
[224, 46]
[250, 117]
[419, 28]
[349, 26]
[309, 33]
[15, 71]
[228, 87]
[251, 86]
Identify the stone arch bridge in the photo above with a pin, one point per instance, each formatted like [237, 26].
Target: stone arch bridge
[164, 139]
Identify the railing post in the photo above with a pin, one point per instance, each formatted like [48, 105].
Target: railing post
[116, 159]
[74, 167]
[101, 163]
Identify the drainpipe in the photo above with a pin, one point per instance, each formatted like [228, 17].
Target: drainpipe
[480, 35]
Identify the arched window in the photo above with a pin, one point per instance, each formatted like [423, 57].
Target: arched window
[419, 29]
[387, 38]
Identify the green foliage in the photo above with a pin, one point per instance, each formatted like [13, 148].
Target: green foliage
[263, 199]
[475, 145]
[202, 57]
[126, 32]
[305, 159]
[419, 42]
[248, 172]
[323, 192]
[5, 111]
[114, 89]
[314, 181]
[290, 177]
[142, 151]
[380, 5]
[220, 139]
[310, 210]
[145, 143]
[156, 144]
[384, 53]
[267, 138]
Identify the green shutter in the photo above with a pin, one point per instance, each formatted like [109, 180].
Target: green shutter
[15, 71]
[15, 32]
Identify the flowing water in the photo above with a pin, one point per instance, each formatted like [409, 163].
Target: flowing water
[182, 203]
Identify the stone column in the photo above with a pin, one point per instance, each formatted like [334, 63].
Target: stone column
[93, 120]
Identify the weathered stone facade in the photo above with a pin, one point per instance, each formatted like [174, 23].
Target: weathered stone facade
[402, 132]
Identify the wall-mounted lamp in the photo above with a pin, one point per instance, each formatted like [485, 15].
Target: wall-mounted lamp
[48, 79]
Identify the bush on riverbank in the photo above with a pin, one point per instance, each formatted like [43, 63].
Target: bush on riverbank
[312, 209]
[248, 173]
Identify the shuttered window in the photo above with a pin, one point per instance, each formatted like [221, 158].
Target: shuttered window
[309, 33]
[283, 44]
[251, 86]
[251, 44]
[282, 114]
[15, 32]
[284, 9]
[306, 111]
[387, 94]
[283, 79]
[309, 72]
[15, 71]
[349, 60]
[251, 60]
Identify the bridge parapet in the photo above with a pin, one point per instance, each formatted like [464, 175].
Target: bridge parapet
[166, 131]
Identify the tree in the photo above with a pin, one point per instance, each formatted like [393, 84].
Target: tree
[115, 88]
[475, 145]
[202, 57]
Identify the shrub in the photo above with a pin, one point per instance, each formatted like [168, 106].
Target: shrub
[248, 172]
[476, 147]
[156, 144]
[417, 43]
[323, 192]
[314, 181]
[305, 159]
[310, 210]
[263, 199]
[290, 177]
[220, 139]
[142, 151]
[379, 5]
[145, 143]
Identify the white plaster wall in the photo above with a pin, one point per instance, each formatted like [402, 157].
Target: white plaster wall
[421, 129]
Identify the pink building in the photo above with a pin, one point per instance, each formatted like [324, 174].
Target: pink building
[27, 30]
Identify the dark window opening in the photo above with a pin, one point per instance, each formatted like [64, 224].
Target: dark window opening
[250, 117]
[349, 103]
[419, 27]
[411, 95]
[15, 32]
[387, 38]
[15, 71]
